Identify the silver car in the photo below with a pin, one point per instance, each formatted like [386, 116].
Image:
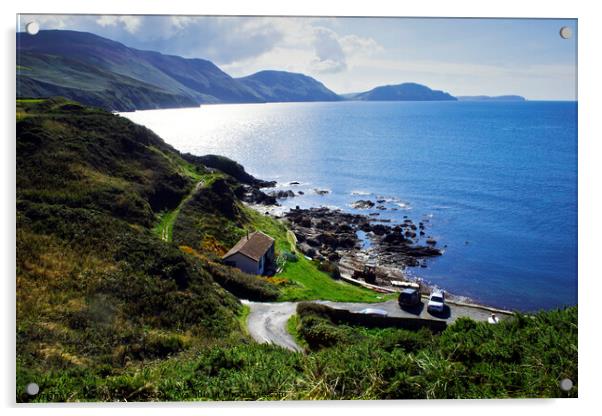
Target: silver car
[436, 302]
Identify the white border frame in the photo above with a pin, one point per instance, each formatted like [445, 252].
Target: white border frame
[590, 207]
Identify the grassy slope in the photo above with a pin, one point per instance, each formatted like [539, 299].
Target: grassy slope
[306, 281]
[202, 226]
[97, 293]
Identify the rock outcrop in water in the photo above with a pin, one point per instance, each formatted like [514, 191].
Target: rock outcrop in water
[362, 204]
[322, 231]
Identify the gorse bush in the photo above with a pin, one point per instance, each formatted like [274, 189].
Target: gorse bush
[525, 356]
[243, 285]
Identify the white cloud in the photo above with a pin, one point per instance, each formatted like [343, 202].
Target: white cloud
[357, 45]
[130, 23]
[306, 45]
[329, 55]
[282, 59]
[180, 22]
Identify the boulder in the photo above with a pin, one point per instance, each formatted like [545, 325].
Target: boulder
[362, 204]
[334, 256]
[281, 194]
[307, 250]
[324, 225]
[313, 242]
[365, 227]
[379, 229]
[347, 240]
[343, 228]
[328, 239]
[396, 238]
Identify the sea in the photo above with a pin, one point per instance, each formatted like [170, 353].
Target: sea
[495, 183]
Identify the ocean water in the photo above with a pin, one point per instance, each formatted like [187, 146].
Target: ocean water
[496, 181]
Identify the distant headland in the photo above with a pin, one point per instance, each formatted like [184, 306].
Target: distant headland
[103, 73]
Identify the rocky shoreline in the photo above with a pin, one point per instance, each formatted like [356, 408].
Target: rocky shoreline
[353, 241]
[326, 234]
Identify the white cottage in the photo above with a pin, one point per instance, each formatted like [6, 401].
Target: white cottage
[253, 254]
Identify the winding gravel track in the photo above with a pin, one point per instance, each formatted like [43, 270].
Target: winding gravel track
[267, 323]
[267, 320]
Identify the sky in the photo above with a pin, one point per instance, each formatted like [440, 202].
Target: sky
[527, 57]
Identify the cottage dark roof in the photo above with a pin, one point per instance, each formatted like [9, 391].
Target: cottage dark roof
[254, 246]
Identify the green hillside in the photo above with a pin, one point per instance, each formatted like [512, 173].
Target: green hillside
[97, 290]
[103, 73]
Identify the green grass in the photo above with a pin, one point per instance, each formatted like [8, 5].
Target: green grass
[22, 105]
[312, 284]
[292, 327]
[185, 168]
[242, 319]
[166, 219]
[307, 282]
[525, 356]
[164, 227]
[30, 100]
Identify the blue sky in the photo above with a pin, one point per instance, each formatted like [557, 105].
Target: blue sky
[460, 56]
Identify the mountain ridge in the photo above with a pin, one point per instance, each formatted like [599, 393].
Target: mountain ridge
[282, 86]
[108, 74]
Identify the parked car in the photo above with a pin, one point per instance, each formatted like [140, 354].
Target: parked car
[409, 297]
[493, 319]
[374, 311]
[436, 302]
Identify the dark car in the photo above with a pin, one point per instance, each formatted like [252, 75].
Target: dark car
[409, 297]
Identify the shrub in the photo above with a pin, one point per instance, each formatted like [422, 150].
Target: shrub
[243, 285]
[331, 268]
